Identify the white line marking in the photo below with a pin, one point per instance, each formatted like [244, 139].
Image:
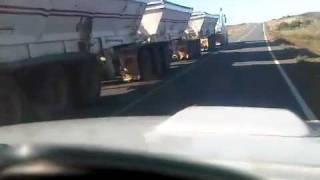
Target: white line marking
[302, 103]
[156, 89]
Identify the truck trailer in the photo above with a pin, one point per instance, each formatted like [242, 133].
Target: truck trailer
[51, 52]
[200, 35]
[162, 28]
[162, 25]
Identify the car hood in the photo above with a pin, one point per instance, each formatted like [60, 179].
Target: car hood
[244, 138]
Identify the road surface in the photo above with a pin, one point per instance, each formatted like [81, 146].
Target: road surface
[243, 74]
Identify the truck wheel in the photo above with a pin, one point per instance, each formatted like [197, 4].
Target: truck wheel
[145, 64]
[11, 101]
[87, 84]
[51, 97]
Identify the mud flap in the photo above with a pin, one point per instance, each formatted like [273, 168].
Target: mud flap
[166, 55]
[157, 61]
[212, 43]
[194, 47]
[145, 64]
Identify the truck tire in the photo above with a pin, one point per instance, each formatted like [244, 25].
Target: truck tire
[48, 92]
[86, 84]
[11, 101]
[145, 64]
[51, 93]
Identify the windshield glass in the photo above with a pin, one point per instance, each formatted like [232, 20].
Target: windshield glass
[180, 68]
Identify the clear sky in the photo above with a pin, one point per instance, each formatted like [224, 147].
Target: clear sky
[239, 11]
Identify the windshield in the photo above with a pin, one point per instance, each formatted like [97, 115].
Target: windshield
[149, 60]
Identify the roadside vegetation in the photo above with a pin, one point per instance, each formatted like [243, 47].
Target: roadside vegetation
[237, 30]
[302, 31]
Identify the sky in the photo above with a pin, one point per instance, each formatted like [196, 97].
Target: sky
[245, 11]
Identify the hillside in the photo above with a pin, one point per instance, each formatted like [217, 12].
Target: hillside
[302, 30]
[237, 30]
[311, 14]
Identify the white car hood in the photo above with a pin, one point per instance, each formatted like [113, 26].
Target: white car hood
[244, 138]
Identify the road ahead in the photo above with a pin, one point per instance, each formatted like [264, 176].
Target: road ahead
[243, 74]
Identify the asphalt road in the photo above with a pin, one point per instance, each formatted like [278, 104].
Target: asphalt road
[241, 75]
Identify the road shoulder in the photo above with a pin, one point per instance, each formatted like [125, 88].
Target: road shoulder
[301, 76]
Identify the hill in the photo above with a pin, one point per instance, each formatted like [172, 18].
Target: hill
[300, 30]
[311, 14]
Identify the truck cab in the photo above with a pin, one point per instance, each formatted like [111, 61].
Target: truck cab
[221, 29]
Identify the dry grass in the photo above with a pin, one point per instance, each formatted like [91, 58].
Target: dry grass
[236, 30]
[303, 37]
